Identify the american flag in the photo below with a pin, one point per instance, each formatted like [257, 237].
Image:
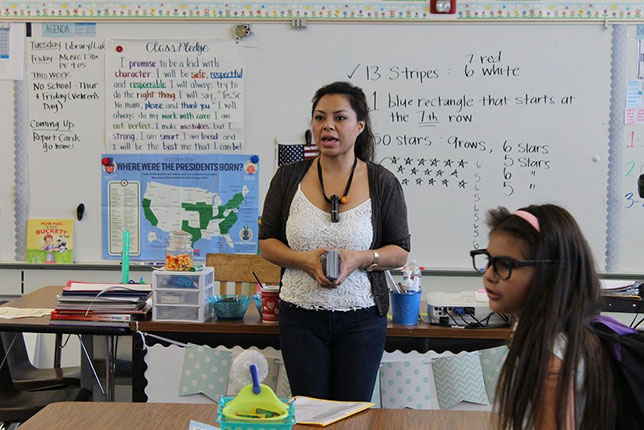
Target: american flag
[290, 153]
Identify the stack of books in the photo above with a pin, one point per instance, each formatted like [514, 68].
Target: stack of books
[113, 305]
[621, 288]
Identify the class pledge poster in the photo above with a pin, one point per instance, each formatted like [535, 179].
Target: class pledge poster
[174, 96]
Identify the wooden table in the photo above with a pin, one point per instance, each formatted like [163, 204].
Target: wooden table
[46, 298]
[145, 416]
[251, 331]
[252, 324]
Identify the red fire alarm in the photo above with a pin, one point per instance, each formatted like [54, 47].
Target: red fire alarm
[442, 6]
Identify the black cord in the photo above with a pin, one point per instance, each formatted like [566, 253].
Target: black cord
[477, 321]
[346, 189]
[639, 308]
[637, 325]
[504, 318]
[449, 314]
[487, 318]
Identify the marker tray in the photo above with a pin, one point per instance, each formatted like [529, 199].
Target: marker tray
[227, 424]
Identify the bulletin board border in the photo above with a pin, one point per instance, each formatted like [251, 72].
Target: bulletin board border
[349, 10]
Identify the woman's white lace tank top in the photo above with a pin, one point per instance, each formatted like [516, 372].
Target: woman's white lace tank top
[309, 227]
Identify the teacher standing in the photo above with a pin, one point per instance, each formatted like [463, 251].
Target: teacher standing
[332, 333]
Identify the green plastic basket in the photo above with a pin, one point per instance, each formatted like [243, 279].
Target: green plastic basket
[228, 424]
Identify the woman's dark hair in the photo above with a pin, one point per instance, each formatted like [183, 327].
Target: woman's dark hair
[364, 147]
[563, 299]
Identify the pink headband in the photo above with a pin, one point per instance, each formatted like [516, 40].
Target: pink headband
[534, 222]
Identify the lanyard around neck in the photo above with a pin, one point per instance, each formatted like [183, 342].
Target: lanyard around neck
[334, 200]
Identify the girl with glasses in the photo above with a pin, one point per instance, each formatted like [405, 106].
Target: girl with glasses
[557, 375]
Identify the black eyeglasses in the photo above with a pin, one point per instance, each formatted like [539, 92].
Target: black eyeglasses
[502, 266]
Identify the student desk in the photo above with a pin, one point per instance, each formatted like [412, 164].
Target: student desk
[251, 331]
[143, 416]
[46, 298]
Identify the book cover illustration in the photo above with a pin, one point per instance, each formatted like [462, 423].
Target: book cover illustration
[50, 240]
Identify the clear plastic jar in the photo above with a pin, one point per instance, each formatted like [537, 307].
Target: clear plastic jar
[178, 253]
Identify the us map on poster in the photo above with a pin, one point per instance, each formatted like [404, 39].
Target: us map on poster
[214, 197]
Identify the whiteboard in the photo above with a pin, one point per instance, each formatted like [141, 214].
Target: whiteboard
[466, 117]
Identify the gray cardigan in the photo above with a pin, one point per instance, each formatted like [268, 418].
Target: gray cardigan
[388, 208]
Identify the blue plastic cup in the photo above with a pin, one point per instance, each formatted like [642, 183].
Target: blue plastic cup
[405, 307]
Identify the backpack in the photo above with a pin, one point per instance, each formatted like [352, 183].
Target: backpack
[626, 348]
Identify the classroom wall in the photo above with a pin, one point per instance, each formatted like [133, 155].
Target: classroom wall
[572, 137]
[7, 227]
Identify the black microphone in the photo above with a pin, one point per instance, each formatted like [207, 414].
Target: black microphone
[640, 186]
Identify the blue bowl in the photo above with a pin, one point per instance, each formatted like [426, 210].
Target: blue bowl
[257, 298]
[230, 306]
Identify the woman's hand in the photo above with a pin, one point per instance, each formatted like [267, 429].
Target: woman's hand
[351, 260]
[309, 261]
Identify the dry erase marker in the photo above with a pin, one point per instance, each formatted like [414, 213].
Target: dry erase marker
[125, 258]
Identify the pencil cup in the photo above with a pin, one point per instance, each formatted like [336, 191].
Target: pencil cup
[270, 303]
[405, 307]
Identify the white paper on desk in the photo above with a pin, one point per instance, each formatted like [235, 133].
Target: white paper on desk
[196, 425]
[10, 313]
[615, 284]
[309, 410]
[96, 286]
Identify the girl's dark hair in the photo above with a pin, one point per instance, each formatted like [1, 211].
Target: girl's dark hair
[562, 300]
[364, 147]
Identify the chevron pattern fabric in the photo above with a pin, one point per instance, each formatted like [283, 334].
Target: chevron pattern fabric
[459, 378]
[283, 389]
[491, 362]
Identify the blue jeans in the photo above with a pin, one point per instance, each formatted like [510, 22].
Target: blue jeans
[332, 354]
